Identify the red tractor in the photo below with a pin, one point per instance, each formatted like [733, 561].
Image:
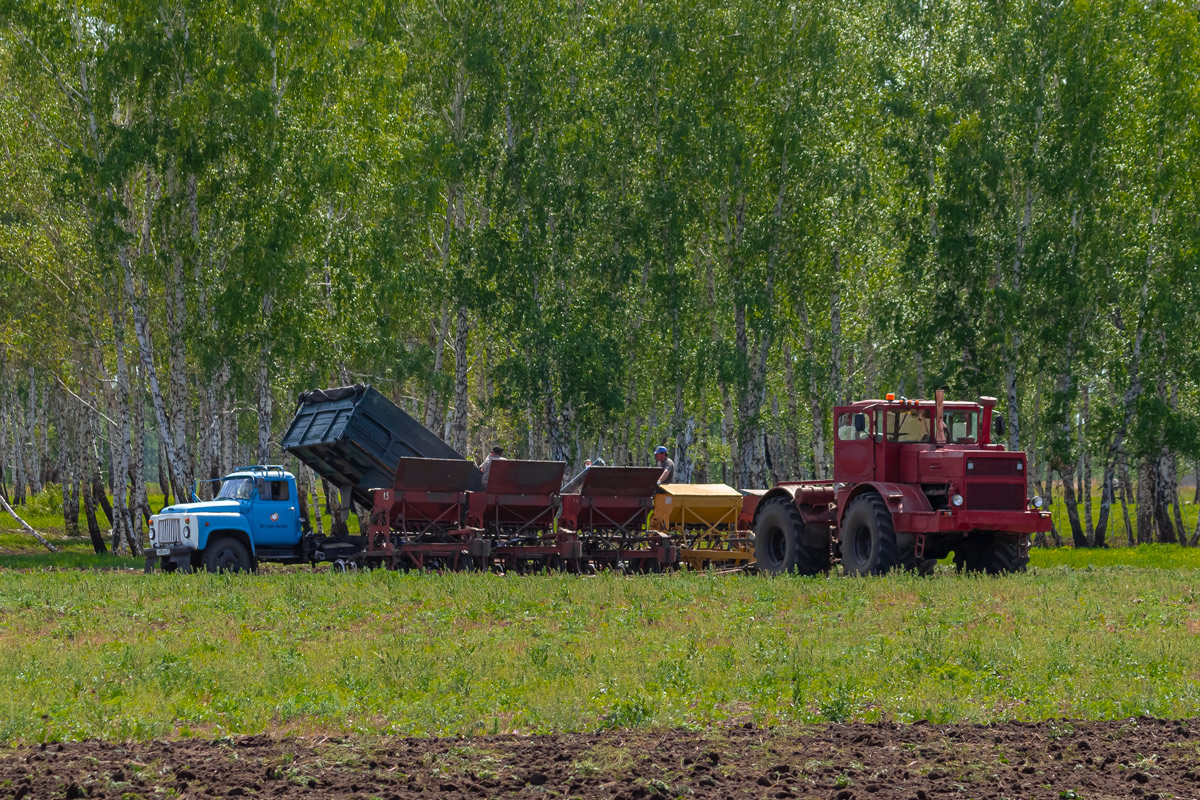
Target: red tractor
[912, 482]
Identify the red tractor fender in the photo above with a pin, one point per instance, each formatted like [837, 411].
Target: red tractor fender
[900, 498]
[813, 498]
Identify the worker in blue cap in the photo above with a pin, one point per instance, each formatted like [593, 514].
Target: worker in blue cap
[668, 473]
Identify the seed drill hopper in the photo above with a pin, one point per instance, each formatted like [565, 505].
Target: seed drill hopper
[704, 519]
[608, 507]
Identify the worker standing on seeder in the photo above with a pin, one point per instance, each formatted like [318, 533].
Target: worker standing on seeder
[668, 473]
[497, 454]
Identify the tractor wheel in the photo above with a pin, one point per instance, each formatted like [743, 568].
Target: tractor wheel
[227, 555]
[778, 541]
[1009, 554]
[868, 538]
[920, 566]
[991, 553]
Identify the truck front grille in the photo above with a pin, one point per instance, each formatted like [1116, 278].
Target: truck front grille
[167, 530]
[995, 496]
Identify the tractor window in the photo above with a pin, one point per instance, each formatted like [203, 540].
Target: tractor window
[845, 429]
[908, 425]
[962, 427]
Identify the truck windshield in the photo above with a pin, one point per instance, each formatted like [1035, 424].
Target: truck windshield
[236, 489]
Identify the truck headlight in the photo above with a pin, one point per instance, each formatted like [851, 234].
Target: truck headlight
[187, 532]
[957, 500]
[1037, 501]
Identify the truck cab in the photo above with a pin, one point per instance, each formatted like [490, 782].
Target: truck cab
[254, 516]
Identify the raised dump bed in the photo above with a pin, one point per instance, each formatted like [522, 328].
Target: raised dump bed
[521, 497]
[354, 437]
[609, 499]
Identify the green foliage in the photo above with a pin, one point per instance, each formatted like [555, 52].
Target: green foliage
[704, 223]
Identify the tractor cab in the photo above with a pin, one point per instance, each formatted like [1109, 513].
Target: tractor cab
[943, 447]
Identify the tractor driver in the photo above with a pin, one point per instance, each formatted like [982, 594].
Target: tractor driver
[668, 473]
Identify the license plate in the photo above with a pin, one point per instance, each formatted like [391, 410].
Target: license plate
[162, 551]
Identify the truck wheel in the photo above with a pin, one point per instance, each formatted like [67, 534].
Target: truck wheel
[868, 538]
[227, 555]
[778, 541]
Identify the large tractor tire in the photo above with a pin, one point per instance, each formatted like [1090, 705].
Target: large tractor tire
[921, 566]
[992, 553]
[779, 541]
[868, 538]
[227, 555]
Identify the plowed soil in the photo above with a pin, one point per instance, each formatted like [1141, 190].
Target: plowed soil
[1143, 758]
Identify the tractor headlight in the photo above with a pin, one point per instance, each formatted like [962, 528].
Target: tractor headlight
[957, 500]
[1037, 501]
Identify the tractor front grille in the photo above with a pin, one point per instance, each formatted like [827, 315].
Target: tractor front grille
[995, 496]
[995, 467]
[166, 530]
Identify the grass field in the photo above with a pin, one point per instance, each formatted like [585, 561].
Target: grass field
[119, 655]
[91, 648]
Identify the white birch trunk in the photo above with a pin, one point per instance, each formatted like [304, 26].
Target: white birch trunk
[835, 331]
[69, 456]
[433, 403]
[815, 407]
[179, 470]
[18, 446]
[123, 528]
[462, 402]
[791, 465]
[315, 497]
[137, 463]
[176, 332]
[5, 457]
[1086, 468]
[26, 526]
[265, 401]
[32, 443]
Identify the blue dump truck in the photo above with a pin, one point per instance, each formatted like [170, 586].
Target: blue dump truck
[352, 436]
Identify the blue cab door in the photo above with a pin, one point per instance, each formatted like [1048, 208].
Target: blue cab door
[273, 518]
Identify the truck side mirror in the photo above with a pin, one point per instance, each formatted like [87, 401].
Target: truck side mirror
[998, 425]
[860, 423]
[261, 486]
